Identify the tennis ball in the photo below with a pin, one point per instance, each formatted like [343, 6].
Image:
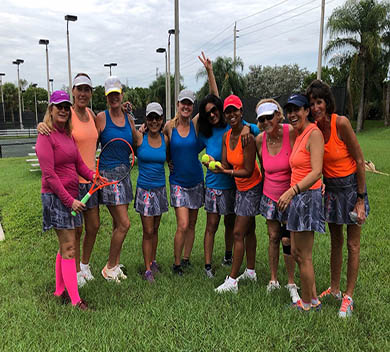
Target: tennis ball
[212, 165]
[205, 158]
[218, 163]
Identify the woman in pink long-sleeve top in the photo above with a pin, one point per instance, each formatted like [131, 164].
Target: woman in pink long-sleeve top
[61, 164]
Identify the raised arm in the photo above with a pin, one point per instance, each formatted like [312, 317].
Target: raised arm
[208, 65]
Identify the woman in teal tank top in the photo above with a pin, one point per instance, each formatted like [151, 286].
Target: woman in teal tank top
[115, 123]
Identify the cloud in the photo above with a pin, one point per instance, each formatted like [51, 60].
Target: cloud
[128, 33]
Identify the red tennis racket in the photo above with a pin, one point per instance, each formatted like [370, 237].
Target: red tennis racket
[114, 150]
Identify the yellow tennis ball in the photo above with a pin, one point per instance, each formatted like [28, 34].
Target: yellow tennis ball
[218, 163]
[205, 158]
[212, 165]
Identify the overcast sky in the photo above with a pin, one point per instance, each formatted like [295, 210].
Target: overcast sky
[129, 32]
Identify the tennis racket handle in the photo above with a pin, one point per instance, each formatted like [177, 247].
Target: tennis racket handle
[84, 200]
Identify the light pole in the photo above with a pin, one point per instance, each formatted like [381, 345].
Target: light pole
[67, 19]
[2, 96]
[35, 102]
[18, 62]
[319, 66]
[46, 43]
[51, 80]
[168, 117]
[163, 50]
[111, 65]
[177, 53]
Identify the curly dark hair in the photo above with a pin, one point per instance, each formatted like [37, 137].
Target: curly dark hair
[320, 90]
[205, 127]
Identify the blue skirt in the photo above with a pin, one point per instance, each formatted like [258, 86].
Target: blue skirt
[340, 199]
[306, 212]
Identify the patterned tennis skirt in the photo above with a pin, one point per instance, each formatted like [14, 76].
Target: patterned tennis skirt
[306, 212]
[340, 199]
[151, 202]
[219, 201]
[248, 202]
[57, 215]
[93, 201]
[118, 194]
[191, 198]
[269, 209]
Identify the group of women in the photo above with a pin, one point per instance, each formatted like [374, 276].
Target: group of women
[288, 193]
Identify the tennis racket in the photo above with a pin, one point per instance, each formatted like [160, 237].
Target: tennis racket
[114, 150]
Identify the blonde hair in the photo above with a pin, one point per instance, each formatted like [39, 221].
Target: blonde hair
[270, 100]
[48, 120]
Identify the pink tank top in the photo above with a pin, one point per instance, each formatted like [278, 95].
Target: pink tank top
[277, 167]
[85, 136]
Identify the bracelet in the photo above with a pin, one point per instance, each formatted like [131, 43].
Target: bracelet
[295, 192]
[298, 189]
[232, 173]
[361, 195]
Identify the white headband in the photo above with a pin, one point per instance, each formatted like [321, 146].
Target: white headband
[80, 80]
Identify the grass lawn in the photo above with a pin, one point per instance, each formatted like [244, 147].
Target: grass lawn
[184, 314]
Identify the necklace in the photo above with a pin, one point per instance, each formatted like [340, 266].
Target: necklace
[273, 141]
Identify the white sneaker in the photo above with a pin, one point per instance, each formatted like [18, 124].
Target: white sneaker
[245, 275]
[227, 286]
[81, 279]
[112, 274]
[273, 285]
[86, 270]
[293, 290]
[121, 273]
[209, 273]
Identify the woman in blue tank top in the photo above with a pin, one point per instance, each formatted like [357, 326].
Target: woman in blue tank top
[114, 123]
[186, 178]
[151, 196]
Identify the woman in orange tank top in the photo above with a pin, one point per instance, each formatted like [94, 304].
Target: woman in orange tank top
[345, 190]
[304, 197]
[240, 162]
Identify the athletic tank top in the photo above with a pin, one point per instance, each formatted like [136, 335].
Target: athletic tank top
[277, 167]
[120, 156]
[337, 160]
[85, 135]
[235, 157]
[187, 169]
[300, 158]
[151, 171]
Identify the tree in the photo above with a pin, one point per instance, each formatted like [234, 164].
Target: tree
[268, 81]
[229, 80]
[29, 99]
[99, 101]
[138, 96]
[11, 101]
[357, 27]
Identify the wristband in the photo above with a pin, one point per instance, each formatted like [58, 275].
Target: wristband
[232, 173]
[295, 192]
[298, 189]
[361, 195]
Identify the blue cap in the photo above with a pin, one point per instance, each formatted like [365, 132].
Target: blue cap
[298, 100]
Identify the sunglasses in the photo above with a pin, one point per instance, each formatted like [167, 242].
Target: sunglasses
[65, 107]
[154, 117]
[261, 119]
[211, 111]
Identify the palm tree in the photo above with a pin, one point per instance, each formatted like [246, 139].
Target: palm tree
[229, 81]
[357, 27]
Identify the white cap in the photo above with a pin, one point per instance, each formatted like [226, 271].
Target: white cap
[186, 94]
[154, 107]
[266, 109]
[112, 84]
[81, 80]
